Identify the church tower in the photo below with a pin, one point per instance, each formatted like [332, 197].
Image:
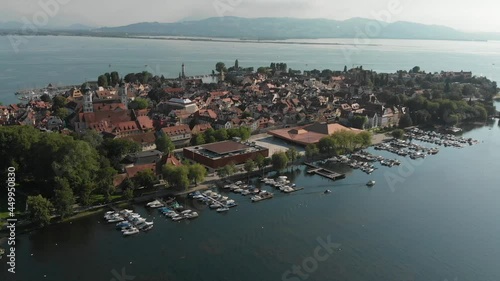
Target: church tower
[124, 94]
[87, 102]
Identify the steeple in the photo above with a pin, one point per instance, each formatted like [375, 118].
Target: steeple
[183, 71]
[123, 92]
[87, 102]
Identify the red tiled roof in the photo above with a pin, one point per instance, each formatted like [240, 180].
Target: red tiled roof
[132, 171]
[145, 122]
[176, 130]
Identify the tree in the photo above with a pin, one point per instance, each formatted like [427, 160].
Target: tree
[359, 121]
[405, 121]
[221, 134]
[102, 81]
[39, 210]
[58, 102]
[62, 113]
[345, 68]
[279, 161]
[115, 78]
[64, 198]
[262, 70]
[259, 161]
[236, 65]
[176, 175]
[199, 139]
[128, 193]
[416, 69]
[398, 134]
[197, 173]
[249, 166]
[220, 67]
[45, 98]
[292, 154]
[311, 150]
[164, 144]
[139, 103]
[145, 178]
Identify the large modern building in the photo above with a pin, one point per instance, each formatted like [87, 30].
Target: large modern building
[220, 154]
[310, 134]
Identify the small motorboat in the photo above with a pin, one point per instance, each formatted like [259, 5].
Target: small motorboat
[370, 183]
[223, 209]
[191, 215]
[328, 191]
[131, 231]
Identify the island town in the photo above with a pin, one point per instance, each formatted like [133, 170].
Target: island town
[88, 146]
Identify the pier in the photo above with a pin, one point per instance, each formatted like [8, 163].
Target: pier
[329, 174]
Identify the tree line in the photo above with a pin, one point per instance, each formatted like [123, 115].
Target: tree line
[211, 135]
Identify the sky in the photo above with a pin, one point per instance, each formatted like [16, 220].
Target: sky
[465, 15]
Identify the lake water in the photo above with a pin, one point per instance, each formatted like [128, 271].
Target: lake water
[72, 60]
[440, 223]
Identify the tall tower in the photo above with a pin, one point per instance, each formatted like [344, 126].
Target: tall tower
[183, 71]
[87, 102]
[123, 94]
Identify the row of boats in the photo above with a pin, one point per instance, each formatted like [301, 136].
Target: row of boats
[176, 215]
[128, 222]
[214, 200]
[282, 183]
[439, 139]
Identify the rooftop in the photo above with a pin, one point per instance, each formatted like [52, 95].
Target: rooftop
[225, 147]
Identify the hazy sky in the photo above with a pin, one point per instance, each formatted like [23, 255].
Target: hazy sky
[479, 15]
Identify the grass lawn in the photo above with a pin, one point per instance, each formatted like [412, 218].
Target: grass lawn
[100, 199]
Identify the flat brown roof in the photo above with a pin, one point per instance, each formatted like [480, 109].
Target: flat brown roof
[225, 147]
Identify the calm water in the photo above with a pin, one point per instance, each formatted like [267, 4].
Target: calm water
[72, 60]
[441, 223]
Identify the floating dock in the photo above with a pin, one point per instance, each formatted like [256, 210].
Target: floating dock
[329, 174]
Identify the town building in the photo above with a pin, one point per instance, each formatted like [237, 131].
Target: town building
[310, 134]
[220, 154]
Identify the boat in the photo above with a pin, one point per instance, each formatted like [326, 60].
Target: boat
[328, 191]
[153, 203]
[178, 218]
[186, 212]
[116, 219]
[370, 183]
[256, 198]
[215, 206]
[245, 192]
[122, 224]
[131, 231]
[147, 228]
[191, 215]
[223, 209]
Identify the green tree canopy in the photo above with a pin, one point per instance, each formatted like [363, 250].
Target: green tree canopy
[398, 134]
[165, 144]
[102, 81]
[64, 198]
[197, 173]
[39, 210]
[279, 161]
[145, 178]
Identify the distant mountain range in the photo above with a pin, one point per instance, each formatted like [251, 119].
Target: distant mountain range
[280, 28]
[292, 28]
